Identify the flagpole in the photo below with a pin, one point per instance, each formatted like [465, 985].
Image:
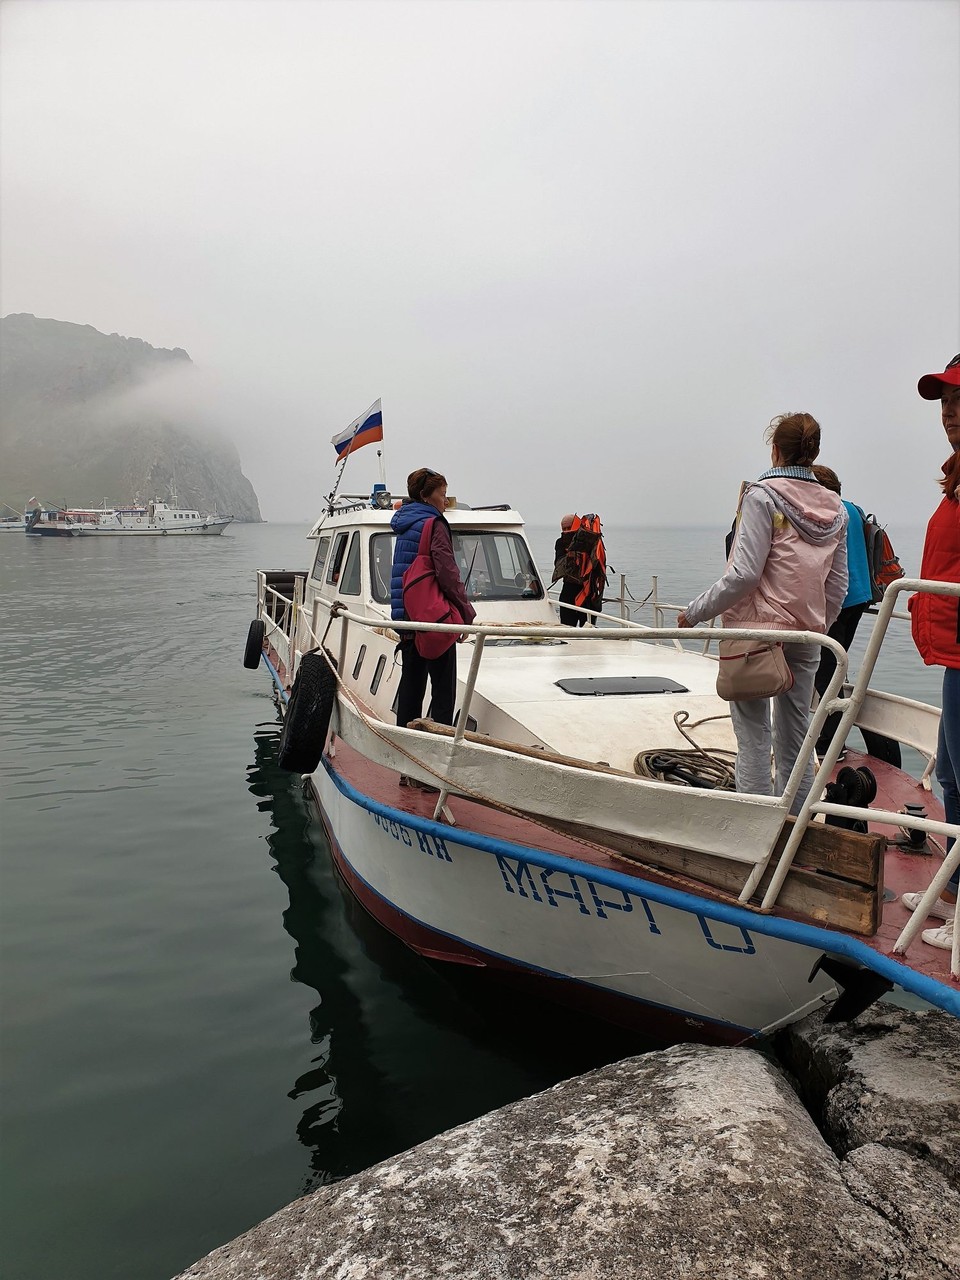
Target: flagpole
[331, 497]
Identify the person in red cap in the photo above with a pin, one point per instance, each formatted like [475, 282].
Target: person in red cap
[936, 629]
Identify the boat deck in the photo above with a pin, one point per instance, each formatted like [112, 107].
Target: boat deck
[903, 869]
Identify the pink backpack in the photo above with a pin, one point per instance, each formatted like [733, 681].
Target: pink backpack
[423, 601]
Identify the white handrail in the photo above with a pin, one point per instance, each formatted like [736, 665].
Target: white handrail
[849, 708]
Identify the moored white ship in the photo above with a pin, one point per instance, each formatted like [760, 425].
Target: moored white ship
[156, 519]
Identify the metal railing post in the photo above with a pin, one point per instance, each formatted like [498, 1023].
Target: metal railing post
[344, 624]
[478, 643]
[469, 688]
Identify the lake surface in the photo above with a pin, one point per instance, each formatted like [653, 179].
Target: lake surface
[198, 1023]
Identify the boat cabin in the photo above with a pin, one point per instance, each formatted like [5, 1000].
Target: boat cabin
[354, 555]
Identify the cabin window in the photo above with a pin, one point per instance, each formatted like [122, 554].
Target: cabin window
[378, 674]
[359, 662]
[323, 546]
[336, 559]
[350, 579]
[381, 564]
[496, 566]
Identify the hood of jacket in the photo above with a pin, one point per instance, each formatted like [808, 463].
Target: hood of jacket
[412, 513]
[816, 513]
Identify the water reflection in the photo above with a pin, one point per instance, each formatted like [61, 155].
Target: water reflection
[401, 1048]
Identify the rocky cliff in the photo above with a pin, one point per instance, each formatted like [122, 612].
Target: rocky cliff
[86, 416]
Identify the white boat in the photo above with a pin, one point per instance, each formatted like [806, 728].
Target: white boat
[545, 857]
[153, 519]
[12, 524]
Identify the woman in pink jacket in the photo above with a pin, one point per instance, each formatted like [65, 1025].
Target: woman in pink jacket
[787, 571]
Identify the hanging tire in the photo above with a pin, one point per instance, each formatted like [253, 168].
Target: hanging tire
[307, 717]
[253, 651]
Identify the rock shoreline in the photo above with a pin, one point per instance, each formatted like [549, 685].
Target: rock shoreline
[840, 1160]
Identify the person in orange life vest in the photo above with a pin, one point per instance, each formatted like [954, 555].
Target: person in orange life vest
[787, 571]
[935, 622]
[571, 585]
[427, 500]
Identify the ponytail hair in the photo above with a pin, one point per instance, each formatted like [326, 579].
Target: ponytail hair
[951, 476]
[797, 436]
[828, 478]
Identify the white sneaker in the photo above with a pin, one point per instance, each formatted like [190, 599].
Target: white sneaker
[944, 910]
[942, 937]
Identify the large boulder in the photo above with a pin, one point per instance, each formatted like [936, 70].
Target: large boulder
[692, 1162]
[885, 1090]
[891, 1076]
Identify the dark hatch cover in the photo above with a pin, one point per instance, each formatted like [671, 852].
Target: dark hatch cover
[605, 686]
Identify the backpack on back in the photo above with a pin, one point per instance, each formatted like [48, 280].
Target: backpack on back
[882, 561]
[423, 601]
[590, 557]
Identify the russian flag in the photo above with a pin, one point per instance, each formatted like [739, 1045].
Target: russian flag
[363, 430]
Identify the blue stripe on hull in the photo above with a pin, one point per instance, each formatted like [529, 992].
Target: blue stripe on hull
[818, 939]
[684, 1015]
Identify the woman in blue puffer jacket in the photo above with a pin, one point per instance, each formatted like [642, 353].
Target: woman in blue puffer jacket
[427, 500]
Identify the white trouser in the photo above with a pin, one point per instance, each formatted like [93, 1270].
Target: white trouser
[791, 719]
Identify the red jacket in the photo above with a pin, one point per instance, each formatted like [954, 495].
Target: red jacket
[936, 619]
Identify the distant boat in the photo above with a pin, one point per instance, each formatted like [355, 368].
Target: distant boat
[12, 524]
[155, 519]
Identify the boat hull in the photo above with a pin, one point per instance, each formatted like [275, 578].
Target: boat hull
[54, 531]
[210, 530]
[669, 969]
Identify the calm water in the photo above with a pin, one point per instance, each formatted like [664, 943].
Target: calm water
[198, 1024]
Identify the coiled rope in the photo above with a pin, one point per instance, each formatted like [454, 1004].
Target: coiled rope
[707, 770]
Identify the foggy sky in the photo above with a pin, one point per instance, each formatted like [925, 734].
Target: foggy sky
[584, 251]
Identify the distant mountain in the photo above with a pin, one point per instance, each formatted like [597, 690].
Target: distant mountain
[86, 416]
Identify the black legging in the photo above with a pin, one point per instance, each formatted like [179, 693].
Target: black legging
[844, 630]
[413, 684]
[570, 617]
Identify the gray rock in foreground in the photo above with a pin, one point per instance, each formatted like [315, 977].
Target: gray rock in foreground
[891, 1076]
[885, 1090]
[692, 1162]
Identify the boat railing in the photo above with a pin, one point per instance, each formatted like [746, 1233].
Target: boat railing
[831, 702]
[281, 615]
[882, 713]
[629, 606]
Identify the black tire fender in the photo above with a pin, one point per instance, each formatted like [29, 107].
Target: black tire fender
[253, 651]
[307, 716]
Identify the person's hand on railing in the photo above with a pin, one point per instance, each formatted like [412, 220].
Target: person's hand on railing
[682, 620]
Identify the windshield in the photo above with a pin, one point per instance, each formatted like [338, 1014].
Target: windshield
[494, 566]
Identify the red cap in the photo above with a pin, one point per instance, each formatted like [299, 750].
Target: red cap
[931, 385]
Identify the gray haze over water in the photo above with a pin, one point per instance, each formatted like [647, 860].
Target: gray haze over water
[583, 251]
